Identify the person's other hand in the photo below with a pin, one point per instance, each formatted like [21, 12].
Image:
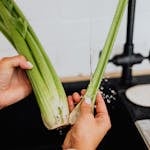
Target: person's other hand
[89, 130]
[14, 84]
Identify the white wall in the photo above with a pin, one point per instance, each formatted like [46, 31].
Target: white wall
[72, 30]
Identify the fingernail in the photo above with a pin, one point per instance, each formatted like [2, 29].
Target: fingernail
[29, 64]
[88, 101]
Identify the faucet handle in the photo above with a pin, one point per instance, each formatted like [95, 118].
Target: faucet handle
[148, 57]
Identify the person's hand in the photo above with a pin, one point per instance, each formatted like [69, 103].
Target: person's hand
[14, 84]
[89, 130]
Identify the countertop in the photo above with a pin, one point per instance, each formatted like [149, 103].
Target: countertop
[139, 114]
[21, 126]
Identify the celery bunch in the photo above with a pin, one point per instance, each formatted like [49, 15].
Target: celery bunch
[46, 84]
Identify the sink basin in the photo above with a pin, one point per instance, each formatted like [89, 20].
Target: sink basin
[144, 129]
[139, 94]
[21, 127]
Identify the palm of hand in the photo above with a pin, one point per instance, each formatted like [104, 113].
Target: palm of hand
[14, 86]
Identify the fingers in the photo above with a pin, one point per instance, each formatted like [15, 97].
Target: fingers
[100, 104]
[17, 61]
[83, 91]
[86, 107]
[101, 108]
[75, 99]
[102, 115]
[70, 103]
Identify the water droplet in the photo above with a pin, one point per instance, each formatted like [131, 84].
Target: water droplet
[60, 132]
[108, 101]
[106, 80]
[101, 88]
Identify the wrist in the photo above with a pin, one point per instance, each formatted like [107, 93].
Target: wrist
[79, 148]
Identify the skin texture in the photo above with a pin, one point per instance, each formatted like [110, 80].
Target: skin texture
[89, 130]
[85, 134]
[14, 84]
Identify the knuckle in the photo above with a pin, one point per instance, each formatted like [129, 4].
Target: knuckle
[4, 59]
[108, 123]
[21, 57]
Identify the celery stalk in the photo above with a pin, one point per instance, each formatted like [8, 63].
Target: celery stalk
[103, 60]
[47, 87]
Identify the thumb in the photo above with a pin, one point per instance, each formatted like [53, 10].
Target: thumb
[86, 107]
[17, 61]
[20, 61]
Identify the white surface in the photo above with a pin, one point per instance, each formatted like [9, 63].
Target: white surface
[139, 94]
[143, 127]
[68, 29]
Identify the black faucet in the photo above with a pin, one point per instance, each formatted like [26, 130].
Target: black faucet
[128, 58]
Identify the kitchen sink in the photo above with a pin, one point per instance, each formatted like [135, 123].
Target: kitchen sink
[21, 127]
